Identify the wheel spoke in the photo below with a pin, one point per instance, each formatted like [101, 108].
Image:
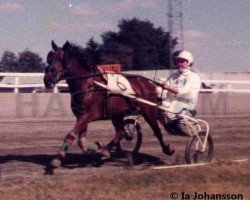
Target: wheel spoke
[132, 138]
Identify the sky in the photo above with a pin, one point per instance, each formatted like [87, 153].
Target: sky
[217, 32]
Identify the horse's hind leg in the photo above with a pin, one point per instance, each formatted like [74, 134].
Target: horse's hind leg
[150, 117]
[118, 123]
[163, 122]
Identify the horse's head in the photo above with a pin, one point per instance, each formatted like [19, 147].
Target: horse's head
[56, 69]
[66, 61]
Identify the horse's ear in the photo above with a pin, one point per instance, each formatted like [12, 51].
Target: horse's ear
[54, 46]
[66, 46]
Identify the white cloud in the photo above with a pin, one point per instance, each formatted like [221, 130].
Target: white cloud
[80, 26]
[119, 6]
[194, 34]
[127, 5]
[149, 4]
[195, 38]
[11, 7]
[84, 9]
[201, 38]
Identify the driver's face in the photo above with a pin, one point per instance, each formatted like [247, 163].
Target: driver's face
[182, 64]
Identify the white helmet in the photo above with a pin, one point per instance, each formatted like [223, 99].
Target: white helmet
[187, 56]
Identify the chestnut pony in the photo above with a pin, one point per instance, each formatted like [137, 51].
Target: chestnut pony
[90, 103]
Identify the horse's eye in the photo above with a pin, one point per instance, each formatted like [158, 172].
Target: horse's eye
[46, 69]
[52, 70]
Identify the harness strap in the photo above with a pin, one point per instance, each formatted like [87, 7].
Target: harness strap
[84, 76]
[101, 73]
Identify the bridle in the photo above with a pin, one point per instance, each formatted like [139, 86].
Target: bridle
[52, 76]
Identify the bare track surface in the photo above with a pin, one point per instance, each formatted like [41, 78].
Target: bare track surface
[27, 148]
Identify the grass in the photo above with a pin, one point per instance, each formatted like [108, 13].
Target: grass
[138, 184]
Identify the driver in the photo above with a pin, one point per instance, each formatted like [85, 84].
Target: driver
[183, 87]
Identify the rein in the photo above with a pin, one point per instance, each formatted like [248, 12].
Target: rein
[153, 81]
[101, 73]
[83, 76]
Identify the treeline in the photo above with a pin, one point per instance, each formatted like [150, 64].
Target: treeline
[27, 61]
[138, 45]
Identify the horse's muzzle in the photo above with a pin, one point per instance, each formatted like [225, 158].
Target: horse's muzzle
[49, 81]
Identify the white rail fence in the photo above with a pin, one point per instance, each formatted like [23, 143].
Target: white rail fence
[228, 86]
[16, 85]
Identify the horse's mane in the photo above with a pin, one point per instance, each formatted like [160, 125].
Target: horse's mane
[81, 56]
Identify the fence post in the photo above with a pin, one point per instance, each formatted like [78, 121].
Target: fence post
[55, 89]
[229, 87]
[16, 89]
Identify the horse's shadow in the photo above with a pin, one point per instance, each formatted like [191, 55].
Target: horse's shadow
[73, 160]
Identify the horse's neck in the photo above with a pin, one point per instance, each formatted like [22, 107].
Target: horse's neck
[81, 80]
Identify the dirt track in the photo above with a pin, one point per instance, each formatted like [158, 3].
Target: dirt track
[26, 148]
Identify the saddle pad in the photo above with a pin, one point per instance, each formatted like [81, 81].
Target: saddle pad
[119, 84]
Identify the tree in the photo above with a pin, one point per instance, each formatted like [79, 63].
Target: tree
[113, 51]
[8, 62]
[138, 45]
[140, 36]
[30, 62]
[93, 52]
[26, 62]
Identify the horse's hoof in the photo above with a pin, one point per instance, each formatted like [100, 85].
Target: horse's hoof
[56, 162]
[171, 152]
[168, 151]
[106, 153]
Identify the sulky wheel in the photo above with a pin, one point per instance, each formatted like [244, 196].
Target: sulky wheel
[132, 138]
[194, 154]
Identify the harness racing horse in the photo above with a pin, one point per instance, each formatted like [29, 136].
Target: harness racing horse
[90, 102]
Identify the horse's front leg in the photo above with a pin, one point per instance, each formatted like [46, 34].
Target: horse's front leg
[80, 127]
[82, 141]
